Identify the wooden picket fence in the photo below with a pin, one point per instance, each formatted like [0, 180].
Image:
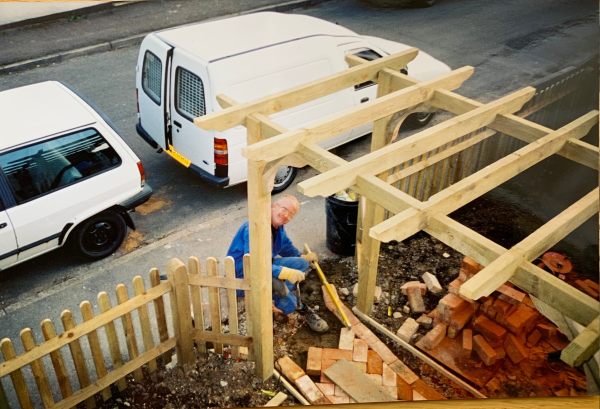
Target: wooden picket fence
[92, 351]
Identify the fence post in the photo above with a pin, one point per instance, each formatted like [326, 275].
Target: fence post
[180, 310]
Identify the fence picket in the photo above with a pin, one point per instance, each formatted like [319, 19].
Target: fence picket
[111, 337]
[17, 378]
[215, 302]
[161, 317]
[180, 310]
[139, 289]
[87, 313]
[3, 398]
[129, 331]
[196, 295]
[37, 368]
[229, 264]
[58, 361]
[77, 355]
[247, 298]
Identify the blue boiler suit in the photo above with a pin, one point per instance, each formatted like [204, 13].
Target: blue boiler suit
[284, 254]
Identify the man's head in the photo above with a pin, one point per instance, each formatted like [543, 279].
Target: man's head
[283, 210]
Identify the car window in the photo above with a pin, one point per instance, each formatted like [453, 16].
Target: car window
[37, 169]
[189, 94]
[368, 55]
[152, 76]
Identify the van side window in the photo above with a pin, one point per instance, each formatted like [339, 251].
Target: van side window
[189, 94]
[152, 76]
[368, 55]
[35, 170]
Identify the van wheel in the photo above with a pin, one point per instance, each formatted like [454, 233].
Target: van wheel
[100, 235]
[419, 119]
[283, 178]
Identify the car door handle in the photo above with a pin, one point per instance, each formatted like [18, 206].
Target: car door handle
[3, 225]
[177, 124]
[363, 100]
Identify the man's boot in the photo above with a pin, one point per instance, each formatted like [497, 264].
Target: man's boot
[313, 320]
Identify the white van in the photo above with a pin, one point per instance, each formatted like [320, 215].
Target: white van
[65, 175]
[181, 71]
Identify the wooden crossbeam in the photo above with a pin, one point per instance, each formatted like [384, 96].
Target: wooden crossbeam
[500, 270]
[389, 104]
[584, 346]
[407, 223]
[417, 144]
[237, 114]
[530, 278]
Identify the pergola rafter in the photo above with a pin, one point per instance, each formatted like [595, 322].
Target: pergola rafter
[270, 145]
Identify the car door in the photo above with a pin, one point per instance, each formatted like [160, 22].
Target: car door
[153, 79]
[8, 240]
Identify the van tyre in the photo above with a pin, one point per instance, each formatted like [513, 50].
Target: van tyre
[100, 235]
[283, 178]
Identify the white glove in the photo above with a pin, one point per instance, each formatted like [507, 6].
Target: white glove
[291, 274]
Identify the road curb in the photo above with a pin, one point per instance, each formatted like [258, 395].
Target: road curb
[135, 39]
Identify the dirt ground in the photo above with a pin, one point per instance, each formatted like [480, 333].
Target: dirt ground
[224, 382]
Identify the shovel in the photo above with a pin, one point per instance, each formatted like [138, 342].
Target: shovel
[330, 290]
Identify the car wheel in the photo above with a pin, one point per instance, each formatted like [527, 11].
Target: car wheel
[100, 235]
[283, 178]
[419, 119]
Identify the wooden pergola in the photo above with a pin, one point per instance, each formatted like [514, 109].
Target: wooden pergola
[271, 146]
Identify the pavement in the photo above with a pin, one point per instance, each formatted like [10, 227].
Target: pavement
[42, 33]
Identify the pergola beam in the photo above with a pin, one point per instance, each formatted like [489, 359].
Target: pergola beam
[405, 224]
[500, 270]
[584, 346]
[237, 115]
[387, 105]
[418, 144]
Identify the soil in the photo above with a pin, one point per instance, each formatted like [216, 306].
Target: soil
[216, 381]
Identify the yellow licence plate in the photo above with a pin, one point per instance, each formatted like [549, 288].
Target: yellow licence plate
[178, 156]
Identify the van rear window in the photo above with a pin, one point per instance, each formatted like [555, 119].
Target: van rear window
[35, 170]
[189, 94]
[152, 76]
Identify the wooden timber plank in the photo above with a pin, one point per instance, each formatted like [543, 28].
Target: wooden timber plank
[196, 296]
[129, 331]
[161, 317]
[500, 270]
[214, 301]
[356, 383]
[528, 277]
[37, 368]
[181, 312]
[284, 144]
[83, 329]
[319, 158]
[58, 362]
[232, 308]
[144, 319]
[413, 146]
[237, 114]
[111, 336]
[406, 223]
[259, 224]
[87, 313]
[16, 376]
[584, 346]
[219, 282]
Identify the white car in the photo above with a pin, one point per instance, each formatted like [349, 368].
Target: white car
[66, 176]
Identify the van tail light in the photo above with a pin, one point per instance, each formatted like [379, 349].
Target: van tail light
[221, 156]
[142, 173]
[137, 100]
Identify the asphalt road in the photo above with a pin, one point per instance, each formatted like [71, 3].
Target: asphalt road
[511, 44]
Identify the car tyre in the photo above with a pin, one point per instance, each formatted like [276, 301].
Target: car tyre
[100, 235]
[283, 178]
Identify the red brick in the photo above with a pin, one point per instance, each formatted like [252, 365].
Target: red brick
[289, 368]
[359, 353]
[346, 340]
[500, 352]
[515, 350]
[407, 330]
[458, 319]
[485, 352]
[361, 331]
[389, 376]
[521, 319]
[454, 286]
[592, 284]
[469, 267]
[450, 303]
[434, 337]
[328, 389]
[403, 371]
[422, 287]
[426, 391]
[384, 352]
[324, 379]
[415, 300]
[586, 288]
[502, 309]
[403, 389]
[309, 389]
[547, 331]
[339, 400]
[534, 337]
[432, 282]
[510, 294]
[313, 361]
[326, 363]
[487, 307]
[452, 332]
[374, 363]
[334, 353]
[467, 341]
[489, 329]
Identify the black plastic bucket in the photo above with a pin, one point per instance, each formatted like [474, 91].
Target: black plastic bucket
[341, 225]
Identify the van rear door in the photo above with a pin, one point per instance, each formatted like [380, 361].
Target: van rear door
[153, 79]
